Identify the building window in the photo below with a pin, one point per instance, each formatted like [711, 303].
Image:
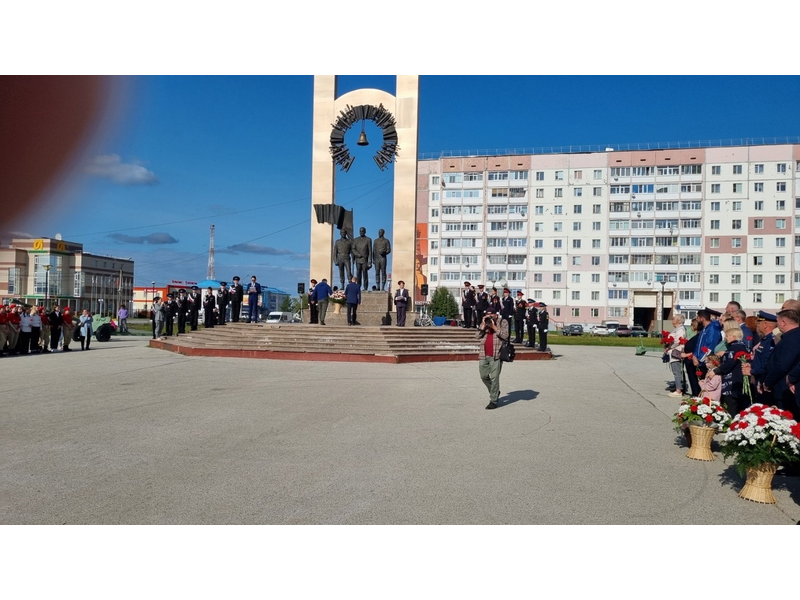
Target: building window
[780, 186]
[434, 245]
[713, 279]
[558, 226]
[434, 212]
[714, 242]
[576, 226]
[758, 261]
[559, 175]
[576, 278]
[577, 192]
[434, 229]
[736, 224]
[758, 279]
[537, 260]
[780, 205]
[598, 174]
[737, 206]
[713, 261]
[736, 261]
[577, 174]
[758, 169]
[737, 169]
[540, 192]
[539, 175]
[781, 167]
[538, 210]
[691, 169]
[558, 209]
[737, 188]
[557, 244]
[780, 261]
[758, 186]
[716, 170]
[758, 242]
[575, 296]
[596, 209]
[715, 188]
[596, 191]
[576, 244]
[559, 192]
[713, 297]
[557, 277]
[736, 279]
[757, 297]
[736, 242]
[758, 205]
[780, 298]
[780, 223]
[557, 294]
[780, 242]
[715, 207]
[715, 224]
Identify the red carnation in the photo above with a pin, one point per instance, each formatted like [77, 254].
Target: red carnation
[707, 401]
[708, 419]
[682, 341]
[699, 373]
[795, 429]
[749, 337]
[741, 354]
[704, 349]
[786, 414]
[694, 409]
[761, 421]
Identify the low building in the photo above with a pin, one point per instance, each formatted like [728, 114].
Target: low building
[47, 271]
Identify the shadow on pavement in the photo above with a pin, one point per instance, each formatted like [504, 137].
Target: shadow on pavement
[518, 395]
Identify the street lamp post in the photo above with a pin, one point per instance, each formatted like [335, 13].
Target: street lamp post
[662, 282]
[46, 284]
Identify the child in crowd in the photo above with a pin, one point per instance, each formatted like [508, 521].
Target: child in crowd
[711, 386]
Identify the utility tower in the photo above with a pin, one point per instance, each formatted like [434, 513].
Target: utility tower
[210, 273]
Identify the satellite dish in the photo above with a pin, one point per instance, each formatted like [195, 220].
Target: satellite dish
[58, 237]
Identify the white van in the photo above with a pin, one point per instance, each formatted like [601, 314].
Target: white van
[281, 317]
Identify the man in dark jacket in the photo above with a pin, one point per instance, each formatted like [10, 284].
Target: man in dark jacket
[532, 319]
[56, 320]
[352, 294]
[321, 295]
[236, 297]
[507, 307]
[783, 359]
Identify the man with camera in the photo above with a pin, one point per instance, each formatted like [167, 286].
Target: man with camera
[492, 332]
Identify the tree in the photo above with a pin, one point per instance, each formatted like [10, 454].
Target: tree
[443, 304]
[286, 305]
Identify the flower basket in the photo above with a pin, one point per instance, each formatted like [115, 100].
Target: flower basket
[760, 438]
[758, 486]
[701, 442]
[339, 298]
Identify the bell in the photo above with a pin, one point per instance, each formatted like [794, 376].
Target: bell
[362, 139]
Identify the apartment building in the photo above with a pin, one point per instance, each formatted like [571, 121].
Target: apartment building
[626, 235]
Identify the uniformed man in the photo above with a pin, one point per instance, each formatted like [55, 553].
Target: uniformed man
[183, 307]
[467, 303]
[481, 304]
[544, 324]
[236, 297]
[766, 323]
[532, 321]
[171, 311]
[507, 307]
[312, 304]
[223, 298]
[195, 302]
[520, 308]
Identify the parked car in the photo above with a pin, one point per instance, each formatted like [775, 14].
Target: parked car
[572, 329]
[600, 330]
[623, 331]
[282, 317]
[638, 331]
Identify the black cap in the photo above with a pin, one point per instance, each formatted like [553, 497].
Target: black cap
[236, 278]
[181, 291]
[170, 295]
[531, 301]
[542, 304]
[194, 287]
[221, 283]
[711, 311]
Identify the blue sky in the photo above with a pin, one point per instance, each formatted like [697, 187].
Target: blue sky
[185, 152]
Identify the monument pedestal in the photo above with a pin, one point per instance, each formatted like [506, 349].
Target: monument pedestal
[373, 309]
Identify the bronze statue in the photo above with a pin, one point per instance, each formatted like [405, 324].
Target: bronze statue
[361, 249]
[380, 250]
[341, 257]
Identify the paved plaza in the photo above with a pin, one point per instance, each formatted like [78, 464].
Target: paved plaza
[126, 434]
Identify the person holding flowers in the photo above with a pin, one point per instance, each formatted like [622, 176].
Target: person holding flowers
[673, 346]
[730, 369]
[689, 348]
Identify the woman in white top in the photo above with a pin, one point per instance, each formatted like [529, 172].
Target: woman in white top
[24, 343]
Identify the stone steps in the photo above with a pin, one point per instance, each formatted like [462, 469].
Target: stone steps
[334, 342]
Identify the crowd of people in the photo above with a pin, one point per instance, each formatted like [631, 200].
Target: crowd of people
[520, 314]
[737, 359]
[27, 330]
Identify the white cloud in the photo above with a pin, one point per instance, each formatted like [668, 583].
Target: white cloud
[111, 167]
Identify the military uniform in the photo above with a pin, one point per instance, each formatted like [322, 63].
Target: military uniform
[520, 308]
[236, 298]
[171, 313]
[223, 297]
[481, 304]
[183, 306]
[532, 320]
[194, 301]
[544, 324]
